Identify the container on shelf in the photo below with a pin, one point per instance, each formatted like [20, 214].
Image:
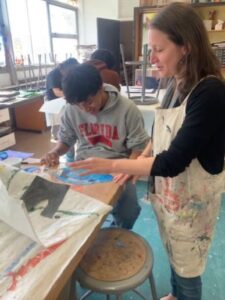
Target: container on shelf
[208, 24]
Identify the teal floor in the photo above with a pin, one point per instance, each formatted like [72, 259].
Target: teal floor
[214, 276]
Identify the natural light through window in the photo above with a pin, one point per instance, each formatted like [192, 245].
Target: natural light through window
[31, 35]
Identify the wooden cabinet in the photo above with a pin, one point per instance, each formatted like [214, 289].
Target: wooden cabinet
[143, 13]
[215, 36]
[7, 138]
[146, 2]
[28, 117]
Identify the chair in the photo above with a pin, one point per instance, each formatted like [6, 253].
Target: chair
[141, 99]
[118, 261]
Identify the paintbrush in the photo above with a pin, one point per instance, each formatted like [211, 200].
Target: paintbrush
[32, 161]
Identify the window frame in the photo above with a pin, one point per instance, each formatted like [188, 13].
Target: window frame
[61, 35]
[11, 67]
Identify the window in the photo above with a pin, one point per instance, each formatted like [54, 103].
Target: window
[64, 36]
[29, 29]
[42, 29]
[70, 2]
[64, 48]
[2, 53]
[63, 21]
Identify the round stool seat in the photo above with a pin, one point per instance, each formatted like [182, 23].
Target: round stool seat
[119, 260]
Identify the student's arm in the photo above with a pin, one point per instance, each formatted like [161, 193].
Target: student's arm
[53, 83]
[136, 135]
[137, 139]
[147, 152]
[135, 154]
[51, 159]
[58, 92]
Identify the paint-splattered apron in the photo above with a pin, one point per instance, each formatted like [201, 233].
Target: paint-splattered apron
[187, 205]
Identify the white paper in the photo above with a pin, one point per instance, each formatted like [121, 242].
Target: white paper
[137, 89]
[12, 209]
[44, 211]
[54, 106]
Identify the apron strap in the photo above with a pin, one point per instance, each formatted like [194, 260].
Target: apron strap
[193, 88]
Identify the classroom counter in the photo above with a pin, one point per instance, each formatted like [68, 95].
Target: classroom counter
[24, 112]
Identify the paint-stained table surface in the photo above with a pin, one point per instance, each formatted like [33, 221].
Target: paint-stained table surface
[105, 192]
[57, 263]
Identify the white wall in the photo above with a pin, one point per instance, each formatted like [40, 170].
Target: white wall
[4, 79]
[108, 9]
[89, 11]
[126, 9]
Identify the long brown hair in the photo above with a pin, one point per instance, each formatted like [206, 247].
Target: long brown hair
[184, 27]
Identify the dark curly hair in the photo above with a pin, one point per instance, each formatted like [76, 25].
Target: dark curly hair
[80, 82]
[104, 55]
[67, 64]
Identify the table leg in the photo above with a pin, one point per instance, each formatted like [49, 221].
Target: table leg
[69, 290]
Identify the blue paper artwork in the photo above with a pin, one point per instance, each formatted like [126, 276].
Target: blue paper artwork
[32, 169]
[11, 153]
[3, 155]
[71, 176]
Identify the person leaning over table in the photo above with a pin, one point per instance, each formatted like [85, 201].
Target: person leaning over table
[54, 78]
[188, 146]
[104, 61]
[54, 90]
[102, 123]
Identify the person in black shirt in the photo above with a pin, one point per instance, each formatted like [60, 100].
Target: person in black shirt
[186, 154]
[54, 78]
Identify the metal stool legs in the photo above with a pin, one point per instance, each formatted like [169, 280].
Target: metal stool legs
[118, 261]
[153, 288]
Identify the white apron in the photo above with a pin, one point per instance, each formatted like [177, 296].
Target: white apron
[187, 205]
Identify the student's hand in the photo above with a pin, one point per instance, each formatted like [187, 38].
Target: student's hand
[51, 159]
[94, 165]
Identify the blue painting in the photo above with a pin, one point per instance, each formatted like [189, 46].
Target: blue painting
[71, 176]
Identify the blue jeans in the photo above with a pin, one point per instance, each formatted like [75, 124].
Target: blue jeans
[127, 208]
[186, 288]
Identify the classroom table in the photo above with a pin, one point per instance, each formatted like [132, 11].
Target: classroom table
[147, 110]
[55, 276]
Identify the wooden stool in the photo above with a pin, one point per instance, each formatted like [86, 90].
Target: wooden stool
[118, 261]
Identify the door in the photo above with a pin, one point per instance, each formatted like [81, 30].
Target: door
[108, 37]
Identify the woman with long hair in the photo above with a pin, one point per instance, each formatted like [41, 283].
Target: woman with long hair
[186, 154]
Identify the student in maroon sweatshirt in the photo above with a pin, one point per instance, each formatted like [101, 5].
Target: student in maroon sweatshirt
[104, 61]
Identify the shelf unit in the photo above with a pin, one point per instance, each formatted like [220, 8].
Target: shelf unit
[216, 31]
[202, 8]
[7, 137]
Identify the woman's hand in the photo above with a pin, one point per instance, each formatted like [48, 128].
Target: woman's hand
[135, 178]
[121, 179]
[127, 166]
[94, 165]
[51, 159]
